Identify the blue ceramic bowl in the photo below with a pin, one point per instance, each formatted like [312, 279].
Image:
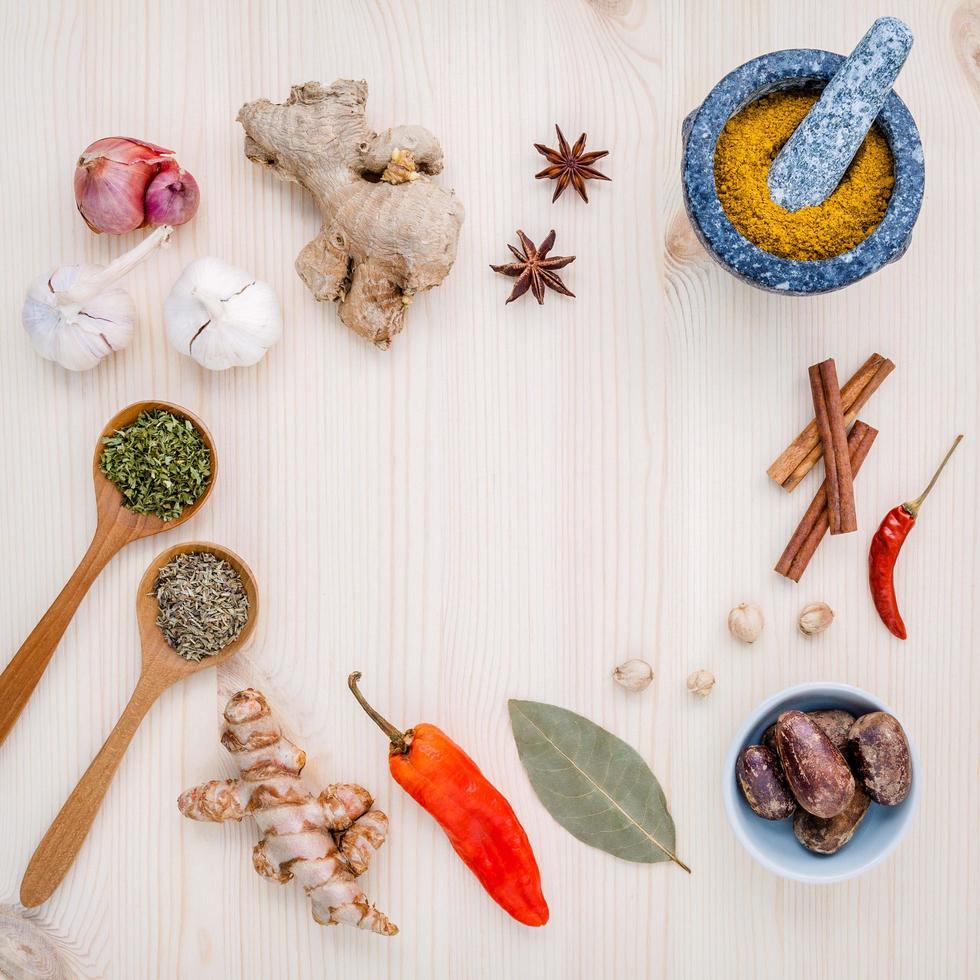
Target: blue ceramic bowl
[780, 70]
[772, 842]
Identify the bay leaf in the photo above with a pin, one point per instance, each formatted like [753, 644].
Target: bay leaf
[594, 784]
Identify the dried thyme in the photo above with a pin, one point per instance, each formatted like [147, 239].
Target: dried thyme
[159, 463]
[203, 604]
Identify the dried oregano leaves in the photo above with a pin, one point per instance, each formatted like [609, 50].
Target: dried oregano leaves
[159, 463]
[203, 604]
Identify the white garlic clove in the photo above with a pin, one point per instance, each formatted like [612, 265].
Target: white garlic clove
[815, 618]
[634, 675]
[745, 622]
[77, 336]
[221, 316]
[76, 316]
[701, 682]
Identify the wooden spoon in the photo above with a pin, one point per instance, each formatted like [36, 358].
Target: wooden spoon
[117, 525]
[162, 667]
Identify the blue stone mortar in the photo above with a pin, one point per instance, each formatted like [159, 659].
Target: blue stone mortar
[781, 71]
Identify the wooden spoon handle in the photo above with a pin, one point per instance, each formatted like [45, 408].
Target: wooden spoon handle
[21, 675]
[60, 845]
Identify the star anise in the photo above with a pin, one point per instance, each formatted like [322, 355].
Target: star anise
[570, 166]
[534, 270]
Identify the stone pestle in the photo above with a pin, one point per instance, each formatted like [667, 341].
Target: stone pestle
[811, 164]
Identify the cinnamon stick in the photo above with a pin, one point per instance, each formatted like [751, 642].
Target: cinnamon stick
[833, 437]
[816, 521]
[795, 478]
[793, 464]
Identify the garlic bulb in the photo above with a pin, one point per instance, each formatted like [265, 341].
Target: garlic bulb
[221, 316]
[701, 682]
[815, 618]
[745, 622]
[76, 316]
[634, 675]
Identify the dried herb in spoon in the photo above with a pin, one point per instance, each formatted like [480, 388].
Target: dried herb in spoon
[160, 464]
[203, 604]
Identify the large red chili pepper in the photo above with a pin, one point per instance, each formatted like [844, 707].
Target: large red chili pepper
[885, 547]
[478, 821]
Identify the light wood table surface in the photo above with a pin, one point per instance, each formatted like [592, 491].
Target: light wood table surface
[507, 503]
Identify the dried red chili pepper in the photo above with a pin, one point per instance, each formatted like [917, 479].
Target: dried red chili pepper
[885, 547]
[477, 819]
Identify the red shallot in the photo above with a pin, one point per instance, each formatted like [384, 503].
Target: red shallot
[122, 184]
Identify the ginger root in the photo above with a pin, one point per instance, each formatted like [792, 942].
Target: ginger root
[324, 842]
[388, 232]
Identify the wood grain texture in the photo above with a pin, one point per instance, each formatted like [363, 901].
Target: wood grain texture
[507, 503]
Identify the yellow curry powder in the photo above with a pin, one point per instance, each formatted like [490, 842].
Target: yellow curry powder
[746, 149]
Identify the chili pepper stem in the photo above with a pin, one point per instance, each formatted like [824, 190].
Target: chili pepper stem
[912, 506]
[399, 740]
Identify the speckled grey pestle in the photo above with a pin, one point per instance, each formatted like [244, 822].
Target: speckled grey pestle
[811, 164]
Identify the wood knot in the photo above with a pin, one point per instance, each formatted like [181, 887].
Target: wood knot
[681, 243]
[611, 8]
[965, 36]
[26, 951]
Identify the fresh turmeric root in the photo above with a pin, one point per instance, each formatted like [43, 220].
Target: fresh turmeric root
[324, 842]
[388, 231]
